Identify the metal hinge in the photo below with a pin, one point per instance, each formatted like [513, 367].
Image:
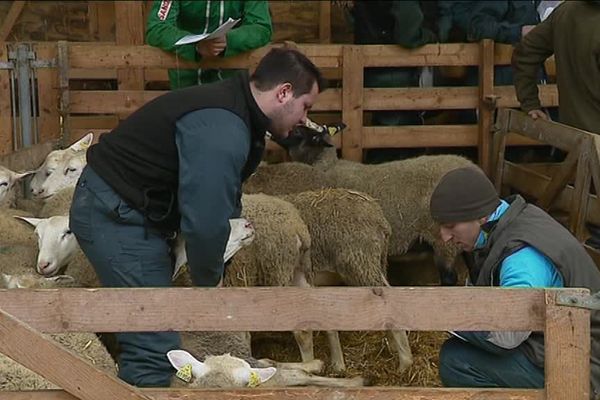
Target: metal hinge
[587, 301]
[7, 65]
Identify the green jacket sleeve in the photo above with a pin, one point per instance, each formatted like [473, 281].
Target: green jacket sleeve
[164, 33]
[528, 56]
[255, 30]
[408, 25]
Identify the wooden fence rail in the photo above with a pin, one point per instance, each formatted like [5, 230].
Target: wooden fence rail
[349, 100]
[26, 313]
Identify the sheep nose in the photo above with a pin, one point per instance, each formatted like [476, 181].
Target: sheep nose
[43, 266]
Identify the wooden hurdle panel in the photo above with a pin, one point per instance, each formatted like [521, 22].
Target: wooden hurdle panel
[26, 313]
[565, 186]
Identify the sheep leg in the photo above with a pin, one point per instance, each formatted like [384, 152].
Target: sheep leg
[311, 367]
[399, 341]
[291, 377]
[337, 356]
[303, 338]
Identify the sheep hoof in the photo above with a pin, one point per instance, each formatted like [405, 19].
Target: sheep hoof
[404, 364]
[338, 366]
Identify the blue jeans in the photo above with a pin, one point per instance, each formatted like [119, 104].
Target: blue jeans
[465, 365]
[124, 253]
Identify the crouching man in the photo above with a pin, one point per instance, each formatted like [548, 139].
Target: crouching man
[514, 244]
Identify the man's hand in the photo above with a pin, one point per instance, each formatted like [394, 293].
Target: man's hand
[211, 48]
[525, 29]
[535, 114]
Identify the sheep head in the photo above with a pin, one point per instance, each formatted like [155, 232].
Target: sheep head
[56, 243]
[56, 161]
[307, 142]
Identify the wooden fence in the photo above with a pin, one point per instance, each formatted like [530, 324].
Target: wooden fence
[99, 110]
[564, 186]
[26, 313]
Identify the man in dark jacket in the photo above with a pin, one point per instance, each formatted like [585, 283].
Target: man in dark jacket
[177, 164]
[393, 22]
[572, 34]
[514, 244]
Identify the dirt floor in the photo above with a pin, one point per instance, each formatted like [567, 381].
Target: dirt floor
[368, 353]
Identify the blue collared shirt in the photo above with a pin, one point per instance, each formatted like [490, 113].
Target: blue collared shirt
[526, 267]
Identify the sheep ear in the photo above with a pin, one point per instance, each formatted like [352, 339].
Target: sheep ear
[20, 175]
[264, 374]
[181, 359]
[83, 143]
[31, 221]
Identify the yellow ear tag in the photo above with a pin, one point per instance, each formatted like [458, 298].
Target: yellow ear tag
[332, 130]
[254, 380]
[185, 373]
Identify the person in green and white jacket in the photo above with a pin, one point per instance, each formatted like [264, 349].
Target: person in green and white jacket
[169, 21]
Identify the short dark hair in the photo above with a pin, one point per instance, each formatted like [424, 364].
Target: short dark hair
[281, 65]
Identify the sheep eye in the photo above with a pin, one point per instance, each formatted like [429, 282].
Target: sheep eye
[70, 170]
[3, 183]
[67, 232]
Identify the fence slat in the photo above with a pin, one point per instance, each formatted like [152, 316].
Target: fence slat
[281, 309]
[567, 350]
[352, 103]
[50, 360]
[374, 393]
[487, 102]
[419, 136]
[420, 98]
[6, 121]
[127, 101]
[48, 95]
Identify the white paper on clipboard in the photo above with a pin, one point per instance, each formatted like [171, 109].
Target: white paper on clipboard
[220, 31]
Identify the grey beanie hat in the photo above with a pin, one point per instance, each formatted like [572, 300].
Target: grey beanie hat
[464, 194]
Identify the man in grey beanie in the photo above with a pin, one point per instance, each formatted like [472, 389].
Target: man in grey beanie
[514, 244]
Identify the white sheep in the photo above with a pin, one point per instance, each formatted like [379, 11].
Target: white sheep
[58, 250]
[278, 256]
[402, 188]
[349, 238]
[9, 188]
[65, 175]
[15, 377]
[64, 166]
[227, 371]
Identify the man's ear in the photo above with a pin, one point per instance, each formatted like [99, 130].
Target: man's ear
[285, 91]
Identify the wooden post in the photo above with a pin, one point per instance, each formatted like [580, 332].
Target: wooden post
[65, 100]
[36, 352]
[580, 199]
[101, 15]
[325, 21]
[487, 103]
[6, 122]
[352, 102]
[48, 94]
[567, 350]
[501, 131]
[130, 28]
[10, 19]
[561, 178]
